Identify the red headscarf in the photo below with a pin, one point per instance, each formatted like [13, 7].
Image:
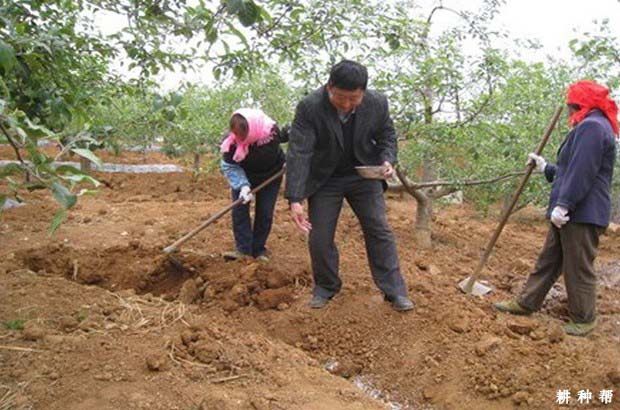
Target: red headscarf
[590, 95]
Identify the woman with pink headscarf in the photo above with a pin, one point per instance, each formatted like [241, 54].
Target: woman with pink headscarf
[251, 154]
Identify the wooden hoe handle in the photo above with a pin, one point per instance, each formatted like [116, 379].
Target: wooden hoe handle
[530, 167]
[193, 232]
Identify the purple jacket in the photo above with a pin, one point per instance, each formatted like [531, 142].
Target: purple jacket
[582, 177]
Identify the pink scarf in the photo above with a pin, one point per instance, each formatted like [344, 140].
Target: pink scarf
[259, 133]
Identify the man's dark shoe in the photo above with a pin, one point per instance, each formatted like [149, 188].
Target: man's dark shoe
[318, 302]
[400, 303]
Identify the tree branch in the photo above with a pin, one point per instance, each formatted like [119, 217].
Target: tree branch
[276, 22]
[472, 116]
[443, 192]
[430, 15]
[419, 196]
[27, 169]
[441, 101]
[432, 184]
[13, 144]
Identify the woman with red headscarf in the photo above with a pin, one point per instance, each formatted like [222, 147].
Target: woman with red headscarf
[579, 208]
[252, 154]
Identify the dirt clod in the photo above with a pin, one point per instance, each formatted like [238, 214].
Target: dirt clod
[520, 398]
[68, 323]
[522, 326]
[614, 376]
[189, 292]
[155, 362]
[487, 344]
[33, 332]
[556, 334]
[272, 298]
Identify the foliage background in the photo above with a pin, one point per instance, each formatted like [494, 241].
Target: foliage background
[460, 115]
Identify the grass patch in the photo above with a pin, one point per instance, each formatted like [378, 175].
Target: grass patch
[16, 324]
[81, 316]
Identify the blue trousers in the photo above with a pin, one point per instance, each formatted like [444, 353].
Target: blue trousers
[251, 240]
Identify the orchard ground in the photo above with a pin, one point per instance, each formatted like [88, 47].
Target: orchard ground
[96, 317]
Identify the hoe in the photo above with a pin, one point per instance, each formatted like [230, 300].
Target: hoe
[470, 285]
[169, 250]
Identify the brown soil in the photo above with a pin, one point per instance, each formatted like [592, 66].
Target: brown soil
[111, 323]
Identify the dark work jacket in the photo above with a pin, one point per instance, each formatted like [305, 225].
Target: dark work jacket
[582, 177]
[262, 161]
[316, 141]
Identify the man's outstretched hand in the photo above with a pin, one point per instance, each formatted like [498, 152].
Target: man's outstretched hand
[299, 217]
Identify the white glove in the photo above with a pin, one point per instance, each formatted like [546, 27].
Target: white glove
[559, 216]
[538, 160]
[246, 195]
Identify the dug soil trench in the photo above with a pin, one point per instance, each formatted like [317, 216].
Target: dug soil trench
[96, 317]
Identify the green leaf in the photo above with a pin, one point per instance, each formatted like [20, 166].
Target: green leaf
[68, 169]
[88, 154]
[89, 192]
[249, 13]
[37, 158]
[7, 57]
[234, 6]
[77, 178]
[36, 130]
[3, 199]
[211, 32]
[34, 186]
[176, 98]
[11, 169]
[20, 131]
[238, 33]
[246, 10]
[63, 196]
[58, 219]
[394, 42]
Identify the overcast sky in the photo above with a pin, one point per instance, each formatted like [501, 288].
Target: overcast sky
[555, 22]
[552, 22]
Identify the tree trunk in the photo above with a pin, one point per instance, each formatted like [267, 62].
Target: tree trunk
[424, 213]
[197, 158]
[85, 165]
[615, 205]
[423, 222]
[615, 196]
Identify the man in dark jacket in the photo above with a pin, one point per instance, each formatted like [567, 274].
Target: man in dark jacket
[579, 208]
[336, 128]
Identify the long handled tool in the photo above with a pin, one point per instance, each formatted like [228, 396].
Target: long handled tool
[470, 285]
[172, 248]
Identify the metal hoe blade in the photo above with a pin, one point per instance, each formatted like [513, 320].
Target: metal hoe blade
[477, 288]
